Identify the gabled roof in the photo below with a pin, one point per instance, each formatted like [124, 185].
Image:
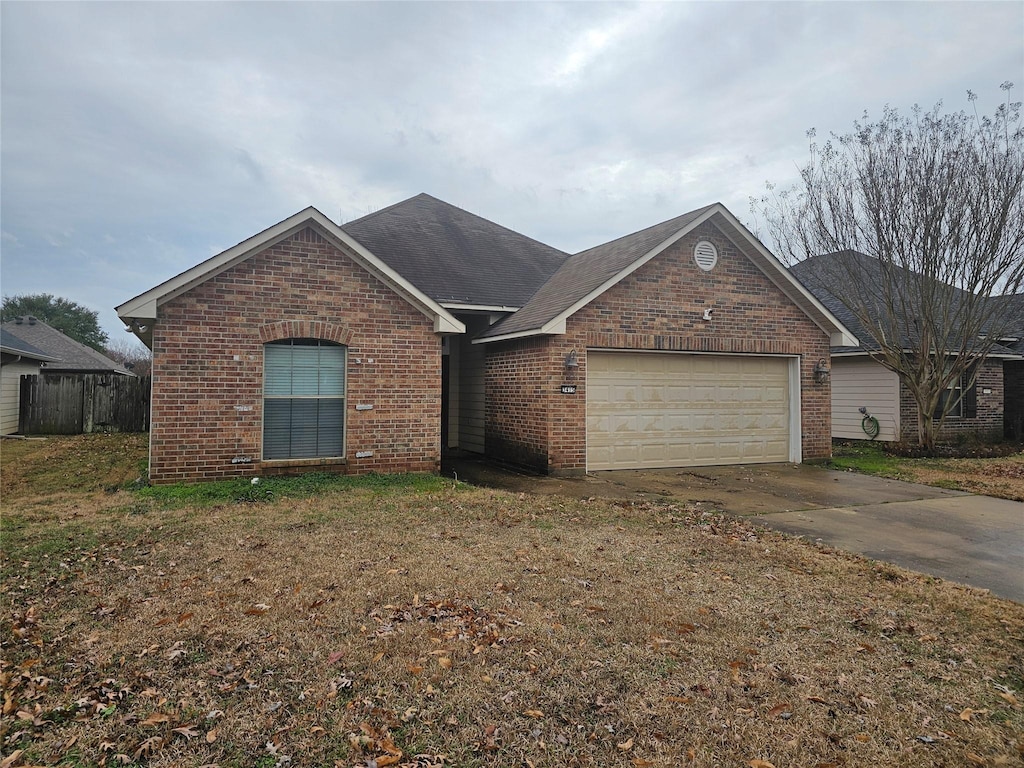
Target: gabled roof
[456, 257]
[12, 345]
[588, 274]
[140, 311]
[1011, 307]
[66, 353]
[822, 273]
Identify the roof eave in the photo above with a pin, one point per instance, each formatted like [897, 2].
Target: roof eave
[622, 274]
[839, 335]
[456, 307]
[144, 306]
[554, 328]
[26, 354]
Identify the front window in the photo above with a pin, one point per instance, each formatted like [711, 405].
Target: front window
[303, 399]
[953, 394]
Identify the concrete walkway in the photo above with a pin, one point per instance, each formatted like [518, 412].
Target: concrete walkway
[975, 540]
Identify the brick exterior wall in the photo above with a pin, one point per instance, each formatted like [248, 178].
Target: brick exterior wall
[989, 421]
[1013, 399]
[518, 385]
[207, 400]
[658, 307]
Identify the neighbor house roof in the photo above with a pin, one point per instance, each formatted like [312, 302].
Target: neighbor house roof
[588, 274]
[12, 345]
[824, 273]
[455, 257]
[65, 353]
[140, 311]
[1011, 308]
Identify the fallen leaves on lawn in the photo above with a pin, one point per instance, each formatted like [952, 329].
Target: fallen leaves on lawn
[491, 655]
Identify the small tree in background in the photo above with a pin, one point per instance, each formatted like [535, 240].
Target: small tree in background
[68, 317]
[132, 354]
[936, 200]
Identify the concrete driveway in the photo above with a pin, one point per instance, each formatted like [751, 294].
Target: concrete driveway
[975, 540]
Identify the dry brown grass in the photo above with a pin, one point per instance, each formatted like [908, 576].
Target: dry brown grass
[70, 463]
[1002, 477]
[467, 627]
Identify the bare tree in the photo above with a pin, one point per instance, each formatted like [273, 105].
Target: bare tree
[934, 200]
[132, 354]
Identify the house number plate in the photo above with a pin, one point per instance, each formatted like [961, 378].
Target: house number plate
[568, 389]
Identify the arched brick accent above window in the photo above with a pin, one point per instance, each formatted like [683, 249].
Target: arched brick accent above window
[305, 329]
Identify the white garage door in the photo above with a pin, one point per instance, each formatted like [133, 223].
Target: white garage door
[647, 410]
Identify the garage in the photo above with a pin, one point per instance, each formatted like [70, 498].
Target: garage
[649, 410]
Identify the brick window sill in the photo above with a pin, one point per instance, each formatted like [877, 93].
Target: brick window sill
[315, 462]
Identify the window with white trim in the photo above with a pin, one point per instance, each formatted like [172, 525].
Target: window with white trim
[952, 394]
[303, 399]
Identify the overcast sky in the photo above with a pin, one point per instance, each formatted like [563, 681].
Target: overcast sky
[140, 138]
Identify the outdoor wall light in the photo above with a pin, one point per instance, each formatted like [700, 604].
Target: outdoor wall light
[821, 371]
[571, 361]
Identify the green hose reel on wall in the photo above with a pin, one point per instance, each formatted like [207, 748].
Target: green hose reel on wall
[869, 423]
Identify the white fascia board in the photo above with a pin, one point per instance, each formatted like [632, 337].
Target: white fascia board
[22, 355]
[839, 334]
[557, 324]
[551, 329]
[444, 322]
[144, 306]
[840, 339]
[446, 325]
[627, 271]
[477, 307]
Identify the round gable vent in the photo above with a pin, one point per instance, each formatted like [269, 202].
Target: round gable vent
[706, 255]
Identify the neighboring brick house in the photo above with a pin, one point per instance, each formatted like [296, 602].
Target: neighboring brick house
[1012, 309]
[858, 380]
[374, 345]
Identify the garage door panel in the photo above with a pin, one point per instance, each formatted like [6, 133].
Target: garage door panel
[658, 410]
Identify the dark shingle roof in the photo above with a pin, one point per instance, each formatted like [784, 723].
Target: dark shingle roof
[1011, 307]
[69, 355]
[587, 271]
[822, 274]
[454, 256]
[819, 274]
[13, 345]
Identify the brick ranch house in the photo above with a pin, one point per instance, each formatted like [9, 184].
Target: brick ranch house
[375, 345]
[990, 405]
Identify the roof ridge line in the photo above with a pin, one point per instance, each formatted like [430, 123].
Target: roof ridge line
[490, 222]
[695, 211]
[385, 209]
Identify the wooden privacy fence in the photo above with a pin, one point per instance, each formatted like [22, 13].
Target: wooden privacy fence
[70, 404]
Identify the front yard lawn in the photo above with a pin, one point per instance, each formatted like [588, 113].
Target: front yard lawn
[1000, 477]
[420, 622]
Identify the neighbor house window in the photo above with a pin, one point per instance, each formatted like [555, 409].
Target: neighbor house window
[964, 398]
[953, 394]
[303, 399]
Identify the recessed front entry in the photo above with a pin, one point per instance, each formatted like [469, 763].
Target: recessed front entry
[649, 410]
